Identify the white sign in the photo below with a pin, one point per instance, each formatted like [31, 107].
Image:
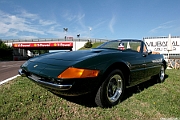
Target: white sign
[160, 45]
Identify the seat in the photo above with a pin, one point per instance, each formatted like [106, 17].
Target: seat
[138, 48]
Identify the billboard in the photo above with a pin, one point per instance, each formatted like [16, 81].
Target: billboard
[160, 44]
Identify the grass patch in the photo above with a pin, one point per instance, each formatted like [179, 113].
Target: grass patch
[94, 45]
[22, 99]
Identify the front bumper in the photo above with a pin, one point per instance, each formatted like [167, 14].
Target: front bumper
[67, 87]
[43, 83]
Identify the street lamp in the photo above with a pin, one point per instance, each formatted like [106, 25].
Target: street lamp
[65, 30]
[78, 35]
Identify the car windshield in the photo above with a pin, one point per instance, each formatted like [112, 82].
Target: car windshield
[133, 45]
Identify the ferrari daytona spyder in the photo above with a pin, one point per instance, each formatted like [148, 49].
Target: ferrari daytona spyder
[106, 70]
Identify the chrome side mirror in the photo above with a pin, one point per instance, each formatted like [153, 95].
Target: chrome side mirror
[149, 52]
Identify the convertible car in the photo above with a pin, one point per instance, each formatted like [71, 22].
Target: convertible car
[106, 70]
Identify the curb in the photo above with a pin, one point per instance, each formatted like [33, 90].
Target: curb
[9, 79]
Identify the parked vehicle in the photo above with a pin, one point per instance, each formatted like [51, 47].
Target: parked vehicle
[106, 70]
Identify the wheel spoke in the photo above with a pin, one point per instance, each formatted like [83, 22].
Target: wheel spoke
[162, 73]
[114, 88]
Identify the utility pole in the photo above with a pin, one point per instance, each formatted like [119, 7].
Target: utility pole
[90, 32]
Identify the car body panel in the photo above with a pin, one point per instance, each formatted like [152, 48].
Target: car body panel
[138, 66]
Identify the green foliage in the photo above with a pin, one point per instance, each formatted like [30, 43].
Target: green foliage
[5, 51]
[3, 46]
[88, 44]
[40, 51]
[23, 99]
[94, 45]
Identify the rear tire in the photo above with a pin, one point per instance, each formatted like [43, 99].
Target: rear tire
[111, 91]
[161, 75]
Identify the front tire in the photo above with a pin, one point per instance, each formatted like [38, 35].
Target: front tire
[111, 91]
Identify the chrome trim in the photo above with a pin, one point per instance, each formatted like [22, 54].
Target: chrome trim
[45, 84]
[50, 85]
[22, 73]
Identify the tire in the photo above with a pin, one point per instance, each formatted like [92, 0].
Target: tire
[111, 91]
[161, 75]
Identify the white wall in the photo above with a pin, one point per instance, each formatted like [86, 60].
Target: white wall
[78, 44]
[9, 44]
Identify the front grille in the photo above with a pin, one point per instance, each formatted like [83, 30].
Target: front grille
[37, 77]
[50, 80]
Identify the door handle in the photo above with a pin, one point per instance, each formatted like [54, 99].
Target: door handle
[144, 64]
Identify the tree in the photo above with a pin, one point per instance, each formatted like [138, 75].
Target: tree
[5, 51]
[88, 44]
[2, 45]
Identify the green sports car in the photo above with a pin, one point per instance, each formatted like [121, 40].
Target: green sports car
[106, 70]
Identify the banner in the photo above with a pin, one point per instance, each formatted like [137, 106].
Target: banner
[42, 44]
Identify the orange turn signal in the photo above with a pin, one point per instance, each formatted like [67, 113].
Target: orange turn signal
[78, 73]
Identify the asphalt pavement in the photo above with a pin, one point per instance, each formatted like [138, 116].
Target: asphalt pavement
[9, 69]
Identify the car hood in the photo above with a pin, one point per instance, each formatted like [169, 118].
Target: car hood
[54, 63]
[67, 56]
[76, 55]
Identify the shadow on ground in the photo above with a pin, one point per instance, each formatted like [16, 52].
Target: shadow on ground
[139, 88]
[85, 100]
[88, 99]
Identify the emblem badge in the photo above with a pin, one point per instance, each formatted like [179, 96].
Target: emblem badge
[35, 66]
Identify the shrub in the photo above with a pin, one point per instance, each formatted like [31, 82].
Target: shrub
[88, 44]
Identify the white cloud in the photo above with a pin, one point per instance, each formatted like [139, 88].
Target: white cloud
[161, 27]
[25, 25]
[111, 24]
[54, 31]
[67, 15]
[79, 17]
[74, 18]
[17, 24]
[22, 24]
[27, 15]
[46, 23]
[28, 37]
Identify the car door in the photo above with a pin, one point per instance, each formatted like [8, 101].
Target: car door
[137, 66]
[137, 69]
[151, 66]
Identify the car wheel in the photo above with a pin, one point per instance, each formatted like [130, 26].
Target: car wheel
[161, 76]
[111, 91]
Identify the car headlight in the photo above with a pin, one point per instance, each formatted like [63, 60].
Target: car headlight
[72, 72]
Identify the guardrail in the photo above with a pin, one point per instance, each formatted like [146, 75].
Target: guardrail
[53, 39]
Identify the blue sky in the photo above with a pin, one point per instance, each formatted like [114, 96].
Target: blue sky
[110, 19]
